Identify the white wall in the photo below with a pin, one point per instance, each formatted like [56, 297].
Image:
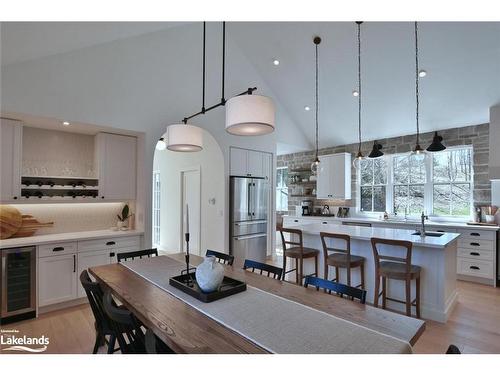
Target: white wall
[144, 83]
[211, 163]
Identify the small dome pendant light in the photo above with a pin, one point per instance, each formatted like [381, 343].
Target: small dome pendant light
[359, 156]
[376, 151]
[436, 144]
[315, 164]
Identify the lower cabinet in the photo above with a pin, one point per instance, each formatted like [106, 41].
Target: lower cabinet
[92, 259]
[57, 281]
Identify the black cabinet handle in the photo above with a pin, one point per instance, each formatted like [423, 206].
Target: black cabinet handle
[324, 222]
[111, 255]
[74, 263]
[59, 248]
[296, 221]
[475, 254]
[475, 244]
[15, 197]
[474, 268]
[102, 197]
[475, 234]
[110, 243]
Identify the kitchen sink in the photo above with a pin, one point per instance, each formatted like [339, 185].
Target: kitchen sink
[429, 234]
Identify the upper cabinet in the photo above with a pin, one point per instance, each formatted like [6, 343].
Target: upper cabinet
[10, 165]
[334, 177]
[116, 157]
[249, 163]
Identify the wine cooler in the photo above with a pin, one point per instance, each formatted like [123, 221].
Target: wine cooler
[17, 284]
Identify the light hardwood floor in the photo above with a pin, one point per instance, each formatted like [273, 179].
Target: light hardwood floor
[474, 326]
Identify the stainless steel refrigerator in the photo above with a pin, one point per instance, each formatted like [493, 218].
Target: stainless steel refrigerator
[248, 218]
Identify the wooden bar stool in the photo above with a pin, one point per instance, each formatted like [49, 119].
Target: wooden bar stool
[398, 268]
[342, 258]
[298, 252]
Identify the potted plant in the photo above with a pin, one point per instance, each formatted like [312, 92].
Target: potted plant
[123, 217]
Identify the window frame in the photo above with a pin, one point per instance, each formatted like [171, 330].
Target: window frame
[281, 189]
[428, 186]
[156, 209]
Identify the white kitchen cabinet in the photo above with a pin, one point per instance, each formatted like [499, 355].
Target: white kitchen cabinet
[334, 177]
[267, 166]
[92, 259]
[249, 163]
[57, 279]
[10, 161]
[116, 159]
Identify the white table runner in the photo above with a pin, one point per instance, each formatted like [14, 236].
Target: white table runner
[272, 322]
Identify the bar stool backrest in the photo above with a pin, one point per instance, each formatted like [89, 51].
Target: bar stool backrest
[286, 242]
[378, 251]
[334, 236]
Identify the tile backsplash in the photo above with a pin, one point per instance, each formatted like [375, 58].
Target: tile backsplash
[73, 217]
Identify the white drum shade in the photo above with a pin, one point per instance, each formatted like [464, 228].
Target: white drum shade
[250, 115]
[184, 138]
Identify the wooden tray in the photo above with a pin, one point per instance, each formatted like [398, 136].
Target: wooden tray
[228, 287]
[483, 224]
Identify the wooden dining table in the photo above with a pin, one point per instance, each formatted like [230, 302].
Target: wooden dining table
[187, 330]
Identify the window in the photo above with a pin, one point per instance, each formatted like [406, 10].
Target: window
[282, 189]
[451, 177]
[440, 184]
[373, 176]
[156, 208]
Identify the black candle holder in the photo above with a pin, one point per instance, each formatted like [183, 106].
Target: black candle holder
[187, 279]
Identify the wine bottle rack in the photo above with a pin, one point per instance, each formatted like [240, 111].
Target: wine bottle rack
[33, 187]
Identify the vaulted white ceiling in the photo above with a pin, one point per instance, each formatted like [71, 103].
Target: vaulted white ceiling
[462, 61]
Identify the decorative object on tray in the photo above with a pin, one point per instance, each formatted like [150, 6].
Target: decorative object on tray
[209, 275]
[121, 225]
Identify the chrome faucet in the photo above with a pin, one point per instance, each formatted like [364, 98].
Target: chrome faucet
[423, 217]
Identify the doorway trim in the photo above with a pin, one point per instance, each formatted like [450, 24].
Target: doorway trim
[196, 168]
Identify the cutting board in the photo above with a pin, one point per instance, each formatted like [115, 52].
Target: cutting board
[10, 221]
[29, 226]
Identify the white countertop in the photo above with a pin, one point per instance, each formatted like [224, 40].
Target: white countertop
[411, 223]
[63, 237]
[366, 233]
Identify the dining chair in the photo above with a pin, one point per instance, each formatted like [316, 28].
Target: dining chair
[131, 255]
[221, 257]
[340, 289]
[102, 324]
[397, 268]
[154, 345]
[452, 349]
[298, 252]
[253, 265]
[341, 258]
[125, 326]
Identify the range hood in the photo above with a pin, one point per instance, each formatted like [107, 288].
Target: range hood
[494, 162]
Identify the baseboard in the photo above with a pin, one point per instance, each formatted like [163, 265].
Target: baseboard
[62, 305]
[474, 279]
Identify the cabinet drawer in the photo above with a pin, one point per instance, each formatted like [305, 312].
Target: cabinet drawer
[476, 244]
[478, 234]
[475, 268]
[56, 249]
[110, 243]
[475, 254]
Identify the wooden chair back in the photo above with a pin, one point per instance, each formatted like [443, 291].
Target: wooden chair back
[221, 257]
[154, 345]
[332, 286]
[378, 255]
[291, 232]
[131, 255]
[252, 265]
[343, 237]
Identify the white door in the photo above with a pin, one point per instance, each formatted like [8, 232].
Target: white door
[91, 259]
[57, 279]
[10, 161]
[191, 195]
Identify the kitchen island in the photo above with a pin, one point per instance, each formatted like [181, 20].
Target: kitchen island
[435, 255]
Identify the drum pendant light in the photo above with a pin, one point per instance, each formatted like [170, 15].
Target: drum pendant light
[359, 156]
[250, 115]
[184, 138]
[315, 164]
[418, 151]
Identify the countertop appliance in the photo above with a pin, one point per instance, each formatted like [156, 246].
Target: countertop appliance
[17, 284]
[248, 218]
[307, 208]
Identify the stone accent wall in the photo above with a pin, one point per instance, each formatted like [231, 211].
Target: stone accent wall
[476, 135]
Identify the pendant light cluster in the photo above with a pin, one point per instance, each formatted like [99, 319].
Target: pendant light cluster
[246, 114]
[315, 164]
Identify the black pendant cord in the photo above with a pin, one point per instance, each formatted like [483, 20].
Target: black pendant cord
[416, 86]
[222, 102]
[317, 101]
[359, 87]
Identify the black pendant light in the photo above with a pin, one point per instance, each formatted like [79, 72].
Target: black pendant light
[359, 155]
[314, 165]
[376, 151]
[417, 150]
[436, 144]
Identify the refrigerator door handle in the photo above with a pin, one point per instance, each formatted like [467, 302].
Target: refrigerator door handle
[248, 199]
[250, 223]
[250, 236]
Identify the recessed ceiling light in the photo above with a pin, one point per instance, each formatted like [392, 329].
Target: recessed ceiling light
[66, 123]
[307, 108]
[422, 73]
[276, 62]
[355, 93]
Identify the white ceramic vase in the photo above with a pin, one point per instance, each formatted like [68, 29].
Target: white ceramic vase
[209, 274]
